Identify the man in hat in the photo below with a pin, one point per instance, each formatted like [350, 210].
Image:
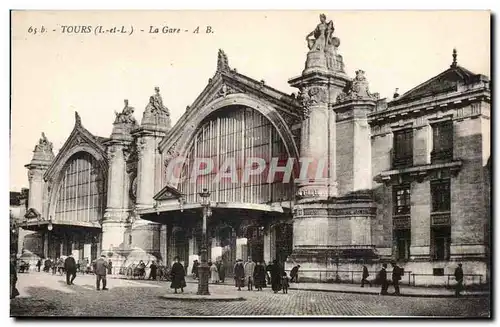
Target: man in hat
[100, 270]
[239, 274]
[396, 277]
[382, 277]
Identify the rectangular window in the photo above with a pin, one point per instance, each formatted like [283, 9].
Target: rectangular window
[402, 239]
[440, 243]
[442, 142]
[401, 200]
[440, 194]
[403, 148]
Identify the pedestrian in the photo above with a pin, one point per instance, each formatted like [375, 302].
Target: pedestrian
[110, 267]
[239, 274]
[276, 274]
[194, 270]
[285, 283]
[268, 272]
[39, 264]
[459, 276]
[249, 269]
[382, 277]
[214, 273]
[100, 270]
[153, 268]
[259, 276]
[70, 268]
[396, 277]
[365, 276]
[13, 276]
[294, 274]
[222, 271]
[178, 276]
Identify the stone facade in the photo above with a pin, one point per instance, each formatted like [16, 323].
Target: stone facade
[405, 179]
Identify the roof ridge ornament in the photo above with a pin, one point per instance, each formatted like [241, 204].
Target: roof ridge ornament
[222, 61]
[454, 63]
[78, 120]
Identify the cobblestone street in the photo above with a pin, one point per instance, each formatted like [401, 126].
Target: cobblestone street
[48, 295]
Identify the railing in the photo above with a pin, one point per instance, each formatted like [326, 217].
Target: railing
[326, 275]
[473, 277]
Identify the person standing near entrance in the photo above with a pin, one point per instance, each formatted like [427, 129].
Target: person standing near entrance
[178, 276]
[276, 274]
[153, 267]
[382, 277]
[100, 270]
[365, 276]
[249, 269]
[110, 267]
[396, 277]
[259, 276]
[222, 271]
[239, 274]
[459, 276]
[194, 270]
[70, 268]
[214, 274]
[39, 264]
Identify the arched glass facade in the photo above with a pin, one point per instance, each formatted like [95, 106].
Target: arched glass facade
[81, 195]
[239, 133]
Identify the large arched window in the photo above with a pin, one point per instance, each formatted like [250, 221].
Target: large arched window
[237, 132]
[81, 195]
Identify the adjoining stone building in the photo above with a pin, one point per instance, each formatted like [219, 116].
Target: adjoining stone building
[406, 179]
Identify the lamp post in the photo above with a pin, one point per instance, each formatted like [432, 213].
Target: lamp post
[203, 268]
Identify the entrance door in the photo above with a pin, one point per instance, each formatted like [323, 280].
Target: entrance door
[283, 241]
[228, 244]
[255, 242]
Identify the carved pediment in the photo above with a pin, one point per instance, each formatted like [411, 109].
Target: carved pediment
[447, 81]
[168, 193]
[79, 137]
[32, 213]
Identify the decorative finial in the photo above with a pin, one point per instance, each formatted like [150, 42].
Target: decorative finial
[454, 63]
[396, 94]
[222, 62]
[78, 120]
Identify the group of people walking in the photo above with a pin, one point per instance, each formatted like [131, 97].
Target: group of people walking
[257, 275]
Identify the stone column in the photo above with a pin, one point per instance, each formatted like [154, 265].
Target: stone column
[163, 243]
[42, 158]
[117, 211]
[267, 244]
[116, 218]
[46, 245]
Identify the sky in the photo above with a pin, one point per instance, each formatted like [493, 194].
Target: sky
[55, 73]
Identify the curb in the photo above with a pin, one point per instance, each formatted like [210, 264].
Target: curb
[474, 295]
[206, 298]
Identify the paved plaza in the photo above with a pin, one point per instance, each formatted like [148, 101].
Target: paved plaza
[48, 295]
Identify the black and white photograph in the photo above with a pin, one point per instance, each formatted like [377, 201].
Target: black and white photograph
[250, 163]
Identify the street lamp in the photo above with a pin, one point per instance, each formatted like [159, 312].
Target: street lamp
[50, 226]
[203, 268]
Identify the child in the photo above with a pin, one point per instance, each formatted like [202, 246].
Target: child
[285, 282]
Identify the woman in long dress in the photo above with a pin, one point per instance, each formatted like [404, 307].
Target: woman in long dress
[178, 276]
[259, 276]
[214, 274]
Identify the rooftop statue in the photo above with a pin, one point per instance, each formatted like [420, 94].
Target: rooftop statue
[126, 116]
[43, 144]
[157, 103]
[321, 42]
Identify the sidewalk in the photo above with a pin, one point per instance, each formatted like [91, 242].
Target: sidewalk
[405, 290]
